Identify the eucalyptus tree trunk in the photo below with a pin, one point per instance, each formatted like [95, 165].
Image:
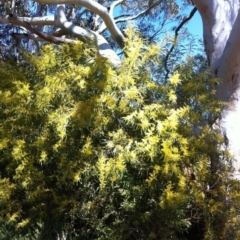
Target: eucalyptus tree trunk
[221, 32]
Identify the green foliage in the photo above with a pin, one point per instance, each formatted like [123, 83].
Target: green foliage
[89, 152]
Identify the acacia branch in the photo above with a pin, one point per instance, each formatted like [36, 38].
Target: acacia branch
[185, 20]
[99, 10]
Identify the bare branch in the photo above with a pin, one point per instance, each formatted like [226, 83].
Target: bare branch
[104, 27]
[95, 22]
[113, 5]
[185, 20]
[110, 9]
[34, 37]
[59, 33]
[36, 21]
[98, 9]
[140, 14]
[83, 34]
[13, 6]
[16, 21]
[118, 20]
[157, 31]
[71, 13]
[104, 49]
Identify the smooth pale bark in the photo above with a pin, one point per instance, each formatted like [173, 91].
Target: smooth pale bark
[221, 30]
[15, 20]
[104, 49]
[67, 28]
[36, 21]
[99, 10]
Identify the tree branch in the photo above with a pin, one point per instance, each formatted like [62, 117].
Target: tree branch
[140, 14]
[82, 34]
[118, 20]
[33, 37]
[156, 32]
[98, 9]
[111, 9]
[65, 28]
[185, 20]
[104, 27]
[113, 5]
[71, 13]
[104, 49]
[16, 21]
[13, 6]
[36, 21]
[58, 33]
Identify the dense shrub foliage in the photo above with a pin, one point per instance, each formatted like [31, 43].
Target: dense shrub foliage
[89, 152]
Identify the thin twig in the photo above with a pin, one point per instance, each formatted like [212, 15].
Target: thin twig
[185, 20]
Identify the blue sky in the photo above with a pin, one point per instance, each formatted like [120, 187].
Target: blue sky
[195, 25]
